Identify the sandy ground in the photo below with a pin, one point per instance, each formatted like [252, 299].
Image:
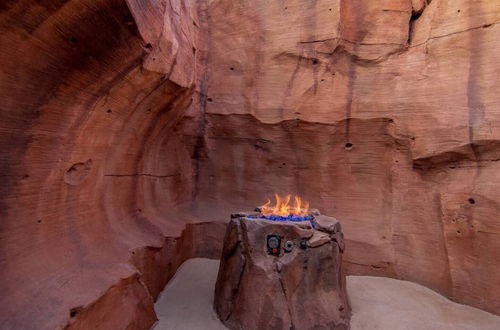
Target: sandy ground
[378, 304]
[186, 302]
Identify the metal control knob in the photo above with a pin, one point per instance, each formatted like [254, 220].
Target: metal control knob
[273, 244]
[303, 244]
[288, 246]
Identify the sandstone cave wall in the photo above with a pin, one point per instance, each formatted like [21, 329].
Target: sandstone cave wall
[384, 114]
[114, 113]
[90, 93]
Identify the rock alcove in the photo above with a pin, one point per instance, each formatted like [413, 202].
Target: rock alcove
[126, 140]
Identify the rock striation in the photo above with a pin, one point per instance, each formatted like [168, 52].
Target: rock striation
[124, 122]
[91, 91]
[384, 114]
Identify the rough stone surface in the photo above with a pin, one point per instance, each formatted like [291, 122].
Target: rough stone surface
[91, 91]
[123, 121]
[300, 289]
[382, 113]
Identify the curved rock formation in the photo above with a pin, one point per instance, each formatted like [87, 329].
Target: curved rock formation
[123, 121]
[91, 91]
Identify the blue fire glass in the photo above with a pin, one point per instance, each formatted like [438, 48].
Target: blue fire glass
[290, 218]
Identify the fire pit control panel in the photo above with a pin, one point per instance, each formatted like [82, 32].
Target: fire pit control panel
[274, 245]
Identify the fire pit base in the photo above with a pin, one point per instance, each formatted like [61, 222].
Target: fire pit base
[282, 275]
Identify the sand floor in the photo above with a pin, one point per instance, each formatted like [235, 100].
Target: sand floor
[377, 303]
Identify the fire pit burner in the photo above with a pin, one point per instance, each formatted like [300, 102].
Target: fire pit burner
[282, 271]
[283, 211]
[292, 218]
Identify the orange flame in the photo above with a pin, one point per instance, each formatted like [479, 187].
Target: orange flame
[283, 207]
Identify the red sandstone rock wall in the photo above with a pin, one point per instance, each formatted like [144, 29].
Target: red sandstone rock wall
[381, 113]
[90, 92]
[384, 114]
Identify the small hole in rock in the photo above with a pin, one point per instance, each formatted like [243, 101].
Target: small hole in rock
[232, 69]
[472, 201]
[133, 252]
[148, 46]
[194, 23]
[315, 61]
[286, 8]
[194, 50]
[74, 40]
[459, 232]
[458, 11]
[330, 9]
[109, 111]
[283, 164]
[74, 311]
[322, 79]
[39, 221]
[154, 58]
[348, 146]
[209, 99]
[415, 16]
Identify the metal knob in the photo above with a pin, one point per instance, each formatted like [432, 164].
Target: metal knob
[303, 244]
[273, 244]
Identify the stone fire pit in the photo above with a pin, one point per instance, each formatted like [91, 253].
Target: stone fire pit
[282, 274]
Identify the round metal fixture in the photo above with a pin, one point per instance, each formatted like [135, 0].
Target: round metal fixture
[303, 244]
[273, 242]
[288, 246]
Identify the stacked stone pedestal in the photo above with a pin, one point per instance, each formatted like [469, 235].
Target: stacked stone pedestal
[297, 285]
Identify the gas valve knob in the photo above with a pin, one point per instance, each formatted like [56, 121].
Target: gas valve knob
[273, 244]
[288, 246]
[303, 244]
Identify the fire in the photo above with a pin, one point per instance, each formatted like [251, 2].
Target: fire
[284, 209]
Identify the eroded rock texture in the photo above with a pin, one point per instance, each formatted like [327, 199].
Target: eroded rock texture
[91, 91]
[301, 286]
[382, 113]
